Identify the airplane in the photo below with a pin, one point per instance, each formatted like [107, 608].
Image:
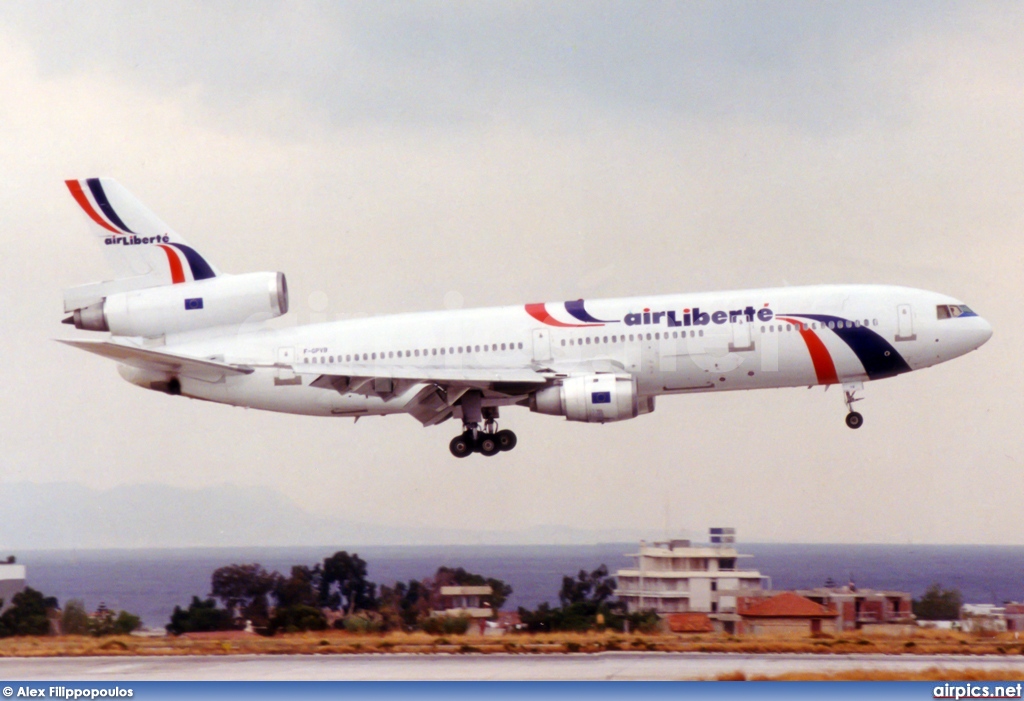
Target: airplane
[179, 325]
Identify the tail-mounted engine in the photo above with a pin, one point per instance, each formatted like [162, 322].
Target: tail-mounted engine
[225, 300]
[592, 398]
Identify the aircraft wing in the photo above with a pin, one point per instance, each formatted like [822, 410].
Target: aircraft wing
[442, 387]
[467, 376]
[160, 361]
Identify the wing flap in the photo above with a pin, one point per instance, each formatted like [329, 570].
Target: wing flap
[352, 374]
[161, 361]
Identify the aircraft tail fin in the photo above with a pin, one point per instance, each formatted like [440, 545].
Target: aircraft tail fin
[137, 243]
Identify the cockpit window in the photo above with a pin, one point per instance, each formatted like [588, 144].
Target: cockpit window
[951, 311]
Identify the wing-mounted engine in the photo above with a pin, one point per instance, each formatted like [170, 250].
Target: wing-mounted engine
[596, 398]
[225, 300]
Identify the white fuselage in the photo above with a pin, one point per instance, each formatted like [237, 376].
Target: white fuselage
[714, 341]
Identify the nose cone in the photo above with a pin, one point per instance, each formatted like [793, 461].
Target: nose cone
[982, 333]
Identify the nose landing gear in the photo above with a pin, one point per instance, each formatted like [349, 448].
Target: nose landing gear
[853, 419]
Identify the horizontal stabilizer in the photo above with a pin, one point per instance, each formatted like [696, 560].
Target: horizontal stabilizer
[160, 361]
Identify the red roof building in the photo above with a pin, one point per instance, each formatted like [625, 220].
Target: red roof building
[787, 613]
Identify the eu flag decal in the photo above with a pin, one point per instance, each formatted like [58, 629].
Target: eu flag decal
[194, 303]
[600, 397]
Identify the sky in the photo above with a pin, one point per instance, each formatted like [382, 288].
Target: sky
[393, 157]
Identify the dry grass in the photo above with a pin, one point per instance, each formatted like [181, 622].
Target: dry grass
[931, 674]
[340, 642]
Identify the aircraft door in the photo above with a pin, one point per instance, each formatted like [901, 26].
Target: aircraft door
[741, 338]
[284, 374]
[541, 344]
[905, 322]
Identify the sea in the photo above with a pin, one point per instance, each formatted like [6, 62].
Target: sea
[150, 583]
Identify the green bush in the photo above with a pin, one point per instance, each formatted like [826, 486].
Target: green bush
[445, 625]
[359, 624]
[201, 616]
[27, 614]
[297, 618]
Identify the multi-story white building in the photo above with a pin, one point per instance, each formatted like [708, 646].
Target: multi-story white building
[12, 581]
[676, 577]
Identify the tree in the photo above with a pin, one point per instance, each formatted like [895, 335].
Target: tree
[458, 577]
[299, 589]
[121, 624]
[74, 620]
[404, 605]
[938, 604]
[343, 584]
[583, 599]
[28, 614]
[243, 590]
[201, 616]
[594, 587]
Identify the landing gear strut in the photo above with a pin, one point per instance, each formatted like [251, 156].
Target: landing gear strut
[486, 441]
[853, 419]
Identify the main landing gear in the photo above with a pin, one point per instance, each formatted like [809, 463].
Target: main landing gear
[486, 441]
[853, 419]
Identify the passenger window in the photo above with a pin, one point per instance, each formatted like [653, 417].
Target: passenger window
[630, 337]
[417, 352]
[503, 345]
[701, 333]
[648, 337]
[588, 340]
[373, 356]
[657, 336]
[477, 349]
[563, 343]
[460, 349]
[520, 345]
[606, 339]
[442, 351]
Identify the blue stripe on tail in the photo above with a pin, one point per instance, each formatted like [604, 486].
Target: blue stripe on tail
[101, 199]
[201, 270]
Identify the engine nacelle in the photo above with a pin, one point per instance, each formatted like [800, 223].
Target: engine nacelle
[221, 301]
[592, 398]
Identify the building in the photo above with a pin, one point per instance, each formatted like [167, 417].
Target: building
[677, 577]
[1014, 614]
[12, 581]
[979, 618]
[787, 613]
[858, 608]
[466, 601]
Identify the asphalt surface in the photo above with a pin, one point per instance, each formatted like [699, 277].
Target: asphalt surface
[631, 666]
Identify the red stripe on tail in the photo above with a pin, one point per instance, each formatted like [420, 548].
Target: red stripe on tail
[177, 273]
[83, 202]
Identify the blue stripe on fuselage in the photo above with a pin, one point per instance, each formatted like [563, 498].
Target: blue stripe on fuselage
[877, 355]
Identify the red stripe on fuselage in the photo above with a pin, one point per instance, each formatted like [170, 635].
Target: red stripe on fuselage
[824, 368]
[83, 202]
[177, 273]
[538, 312]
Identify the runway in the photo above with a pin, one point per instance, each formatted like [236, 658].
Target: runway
[621, 666]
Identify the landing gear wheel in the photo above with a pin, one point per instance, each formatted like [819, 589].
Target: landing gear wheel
[506, 439]
[487, 444]
[854, 420]
[461, 446]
